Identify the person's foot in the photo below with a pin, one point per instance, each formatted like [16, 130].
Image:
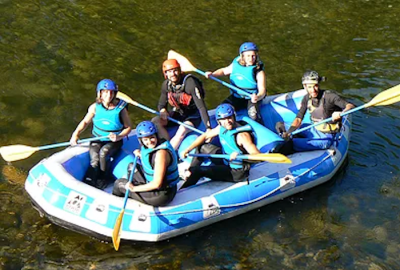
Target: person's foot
[89, 181]
[101, 183]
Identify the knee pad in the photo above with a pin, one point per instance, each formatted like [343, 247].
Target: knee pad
[209, 148]
[104, 152]
[252, 111]
[280, 127]
[119, 187]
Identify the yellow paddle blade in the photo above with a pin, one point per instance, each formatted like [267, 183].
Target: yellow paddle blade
[126, 98]
[116, 237]
[390, 96]
[186, 66]
[17, 152]
[273, 158]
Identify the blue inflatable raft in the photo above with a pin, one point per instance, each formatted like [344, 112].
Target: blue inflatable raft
[56, 189]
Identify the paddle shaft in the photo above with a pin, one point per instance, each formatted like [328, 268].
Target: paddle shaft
[50, 146]
[238, 90]
[330, 119]
[130, 181]
[169, 118]
[217, 156]
[116, 237]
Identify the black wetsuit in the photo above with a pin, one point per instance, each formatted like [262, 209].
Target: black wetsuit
[195, 111]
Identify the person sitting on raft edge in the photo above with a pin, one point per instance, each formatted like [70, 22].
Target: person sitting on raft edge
[185, 94]
[235, 140]
[321, 104]
[247, 73]
[154, 181]
[110, 118]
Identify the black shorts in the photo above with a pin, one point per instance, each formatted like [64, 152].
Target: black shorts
[195, 119]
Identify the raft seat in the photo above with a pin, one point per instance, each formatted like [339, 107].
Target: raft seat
[265, 139]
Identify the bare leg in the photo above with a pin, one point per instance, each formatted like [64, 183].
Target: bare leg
[180, 135]
[160, 124]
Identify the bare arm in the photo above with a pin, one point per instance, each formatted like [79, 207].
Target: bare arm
[83, 124]
[261, 85]
[160, 169]
[349, 106]
[244, 139]
[127, 125]
[206, 136]
[295, 125]
[225, 71]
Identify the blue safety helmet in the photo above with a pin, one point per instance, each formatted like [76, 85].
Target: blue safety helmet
[248, 46]
[107, 84]
[224, 110]
[145, 129]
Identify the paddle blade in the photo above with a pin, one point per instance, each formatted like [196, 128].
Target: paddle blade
[273, 158]
[16, 152]
[116, 236]
[390, 96]
[186, 66]
[126, 98]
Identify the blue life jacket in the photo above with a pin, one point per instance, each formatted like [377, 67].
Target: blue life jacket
[106, 121]
[243, 77]
[172, 174]
[229, 145]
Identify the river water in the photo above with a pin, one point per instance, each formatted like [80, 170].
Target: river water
[54, 52]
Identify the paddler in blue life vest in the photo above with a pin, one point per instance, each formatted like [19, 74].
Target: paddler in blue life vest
[154, 181]
[235, 140]
[110, 118]
[185, 94]
[321, 104]
[247, 73]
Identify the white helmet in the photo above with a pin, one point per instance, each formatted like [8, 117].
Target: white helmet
[311, 76]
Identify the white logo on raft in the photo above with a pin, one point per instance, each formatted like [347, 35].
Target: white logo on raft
[40, 183]
[43, 180]
[75, 203]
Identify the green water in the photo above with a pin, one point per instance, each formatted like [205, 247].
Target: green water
[54, 52]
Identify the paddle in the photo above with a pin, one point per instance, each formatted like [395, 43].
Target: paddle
[127, 99]
[186, 66]
[116, 236]
[273, 158]
[19, 151]
[390, 96]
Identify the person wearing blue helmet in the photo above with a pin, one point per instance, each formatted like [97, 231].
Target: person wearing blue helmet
[247, 73]
[235, 140]
[154, 181]
[109, 117]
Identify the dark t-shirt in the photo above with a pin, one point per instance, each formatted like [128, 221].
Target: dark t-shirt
[197, 105]
[333, 102]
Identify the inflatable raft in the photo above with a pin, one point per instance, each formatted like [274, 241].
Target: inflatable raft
[56, 189]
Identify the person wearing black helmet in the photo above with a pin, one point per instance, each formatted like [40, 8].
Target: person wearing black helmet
[154, 181]
[247, 73]
[321, 104]
[110, 118]
[235, 140]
